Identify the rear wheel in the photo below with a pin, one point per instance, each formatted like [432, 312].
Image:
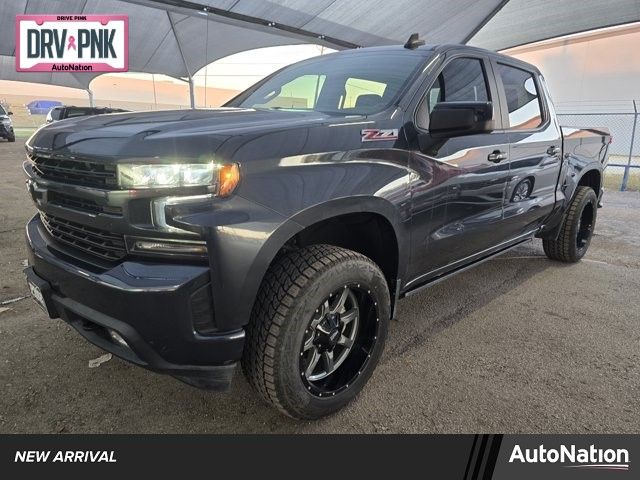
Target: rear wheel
[576, 229]
[317, 330]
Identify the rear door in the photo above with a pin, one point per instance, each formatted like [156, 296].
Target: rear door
[535, 147]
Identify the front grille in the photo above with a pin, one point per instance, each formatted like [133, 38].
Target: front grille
[83, 204]
[103, 244]
[77, 172]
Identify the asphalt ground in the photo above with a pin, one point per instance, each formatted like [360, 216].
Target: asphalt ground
[518, 344]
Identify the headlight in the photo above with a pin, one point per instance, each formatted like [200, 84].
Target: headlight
[224, 178]
[6, 121]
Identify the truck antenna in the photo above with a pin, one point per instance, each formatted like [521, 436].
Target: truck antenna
[413, 42]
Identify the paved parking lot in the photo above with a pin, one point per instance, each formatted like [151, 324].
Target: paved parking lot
[519, 344]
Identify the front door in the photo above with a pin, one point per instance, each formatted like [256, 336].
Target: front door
[459, 189]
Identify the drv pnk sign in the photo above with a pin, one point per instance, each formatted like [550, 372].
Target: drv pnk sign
[72, 43]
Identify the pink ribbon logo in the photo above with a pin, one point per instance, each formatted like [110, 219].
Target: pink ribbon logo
[72, 43]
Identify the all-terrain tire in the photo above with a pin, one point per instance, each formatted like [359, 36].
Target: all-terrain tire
[576, 229]
[291, 292]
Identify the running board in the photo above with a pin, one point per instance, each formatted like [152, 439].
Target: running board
[464, 268]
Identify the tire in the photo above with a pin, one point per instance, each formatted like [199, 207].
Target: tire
[576, 230]
[284, 337]
[12, 138]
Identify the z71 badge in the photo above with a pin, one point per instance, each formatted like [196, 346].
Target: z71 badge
[377, 134]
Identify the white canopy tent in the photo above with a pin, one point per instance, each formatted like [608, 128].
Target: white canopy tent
[178, 38]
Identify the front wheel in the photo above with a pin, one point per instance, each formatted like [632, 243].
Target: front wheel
[576, 229]
[317, 330]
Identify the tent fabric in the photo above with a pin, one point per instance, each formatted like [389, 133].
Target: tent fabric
[525, 21]
[179, 38]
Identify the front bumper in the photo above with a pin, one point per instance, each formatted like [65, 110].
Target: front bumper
[148, 304]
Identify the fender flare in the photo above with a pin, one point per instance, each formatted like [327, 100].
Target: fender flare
[554, 222]
[317, 213]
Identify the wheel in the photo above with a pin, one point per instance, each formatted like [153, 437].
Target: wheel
[576, 229]
[12, 138]
[317, 330]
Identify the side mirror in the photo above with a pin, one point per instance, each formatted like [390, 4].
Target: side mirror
[9, 113]
[455, 119]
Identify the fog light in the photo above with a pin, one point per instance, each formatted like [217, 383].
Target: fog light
[168, 247]
[117, 338]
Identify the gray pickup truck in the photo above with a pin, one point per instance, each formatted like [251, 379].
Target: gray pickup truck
[280, 231]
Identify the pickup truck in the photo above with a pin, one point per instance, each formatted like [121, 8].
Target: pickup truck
[279, 231]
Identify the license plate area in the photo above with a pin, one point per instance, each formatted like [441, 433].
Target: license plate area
[40, 291]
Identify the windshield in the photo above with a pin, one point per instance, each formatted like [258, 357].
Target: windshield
[2, 110]
[353, 84]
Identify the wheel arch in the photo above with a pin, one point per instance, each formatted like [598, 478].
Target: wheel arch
[320, 224]
[591, 178]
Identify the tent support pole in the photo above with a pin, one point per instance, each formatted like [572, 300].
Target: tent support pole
[192, 93]
[90, 94]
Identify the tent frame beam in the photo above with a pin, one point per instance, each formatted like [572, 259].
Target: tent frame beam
[317, 38]
[192, 96]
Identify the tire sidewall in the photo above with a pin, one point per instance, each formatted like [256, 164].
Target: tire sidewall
[589, 198]
[289, 383]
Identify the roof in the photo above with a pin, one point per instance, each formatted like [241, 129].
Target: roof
[178, 38]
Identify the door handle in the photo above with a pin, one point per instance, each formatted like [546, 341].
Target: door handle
[553, 151]
[497, 156]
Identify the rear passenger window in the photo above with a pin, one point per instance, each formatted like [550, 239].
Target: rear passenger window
[462, 80]
[523, 100]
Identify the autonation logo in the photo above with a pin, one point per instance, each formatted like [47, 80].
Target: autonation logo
[574, 457]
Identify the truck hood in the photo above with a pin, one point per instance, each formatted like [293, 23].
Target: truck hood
[183, 133]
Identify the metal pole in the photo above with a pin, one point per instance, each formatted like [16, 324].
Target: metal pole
[155, 99]
[90, 93]
[206, 58]
[625, 177]
[192, 94]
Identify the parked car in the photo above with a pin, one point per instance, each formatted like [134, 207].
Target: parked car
[280, 231]
[41, 107]
[69, 111]
[6, 126]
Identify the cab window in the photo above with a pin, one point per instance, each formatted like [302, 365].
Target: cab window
[301, 92]
[355, 84]
[523, 100]
[359, 91]
[77, 112]
[462, 80]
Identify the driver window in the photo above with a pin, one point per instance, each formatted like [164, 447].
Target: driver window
[462, 80]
